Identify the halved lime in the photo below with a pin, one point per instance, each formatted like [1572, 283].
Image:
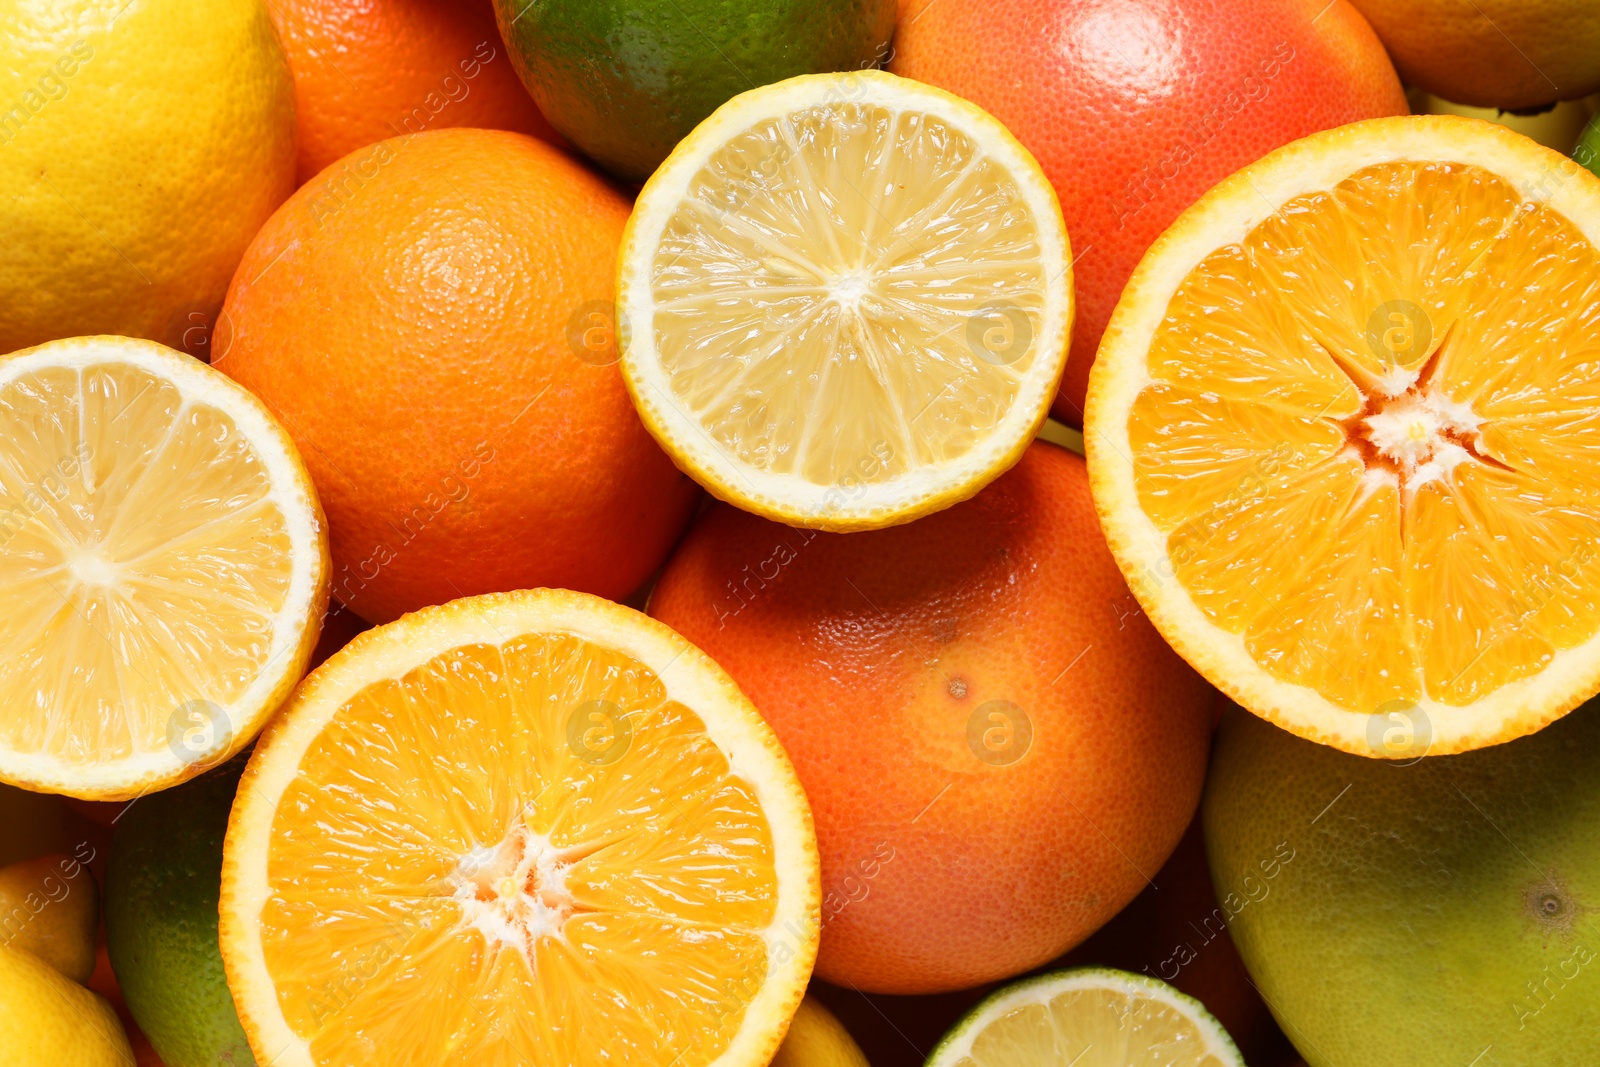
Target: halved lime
[1087, 1017]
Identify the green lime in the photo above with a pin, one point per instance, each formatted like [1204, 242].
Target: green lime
[162, 882]
[1435, 912]
[626, 80]
[1588, 150]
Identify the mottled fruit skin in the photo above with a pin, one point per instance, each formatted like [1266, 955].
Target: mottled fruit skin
[904, 671]
[1588, 150]
[1492, 53]
[429, 318]
[1421, 912]
[162, 886]
[1135, 108]
[626, 80]
[365, 70]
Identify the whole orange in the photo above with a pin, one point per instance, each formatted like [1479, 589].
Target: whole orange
[422, 317]
[365, 70]
[1134, 108]
[997, 745]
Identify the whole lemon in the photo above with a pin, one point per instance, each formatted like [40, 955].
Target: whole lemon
[50, 906]
[47, 1020]
[142, 144]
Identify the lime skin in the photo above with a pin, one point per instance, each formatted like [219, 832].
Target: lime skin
[1588, 150]
[626, 80]
[1415, 912]
[163, 879]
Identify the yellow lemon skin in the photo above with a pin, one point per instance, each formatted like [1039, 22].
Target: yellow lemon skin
[50, 907]
[142, 145]
[48, 1021]
[817, 1039]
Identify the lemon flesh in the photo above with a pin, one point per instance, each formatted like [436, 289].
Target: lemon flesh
[1091, 1017]
[163, 561]
[847, 300]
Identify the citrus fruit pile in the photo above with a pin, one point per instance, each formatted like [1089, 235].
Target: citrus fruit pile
[1020, 533]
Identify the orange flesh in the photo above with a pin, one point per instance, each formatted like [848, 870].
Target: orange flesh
[141, 556]
[1372, 437]
[460, 874]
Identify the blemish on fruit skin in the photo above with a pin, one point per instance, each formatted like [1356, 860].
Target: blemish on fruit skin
[1552, 906]
[958, 687]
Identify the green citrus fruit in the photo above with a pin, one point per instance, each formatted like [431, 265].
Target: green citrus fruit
[1434, 913]
[626, 80]
[162, 884]
[1588, 150]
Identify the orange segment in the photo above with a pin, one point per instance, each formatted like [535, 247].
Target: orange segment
[1363, 438]
[497, 846]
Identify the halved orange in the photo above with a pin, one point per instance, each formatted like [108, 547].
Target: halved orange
[163, 567]
[525, 828]
[1344, 435]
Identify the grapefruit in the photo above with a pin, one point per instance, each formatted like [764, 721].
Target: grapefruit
[998, 747]
[375, 69]
[1381, 339]
[420, 317]
[1435, 913]
[1136, 107]
[1492, 53]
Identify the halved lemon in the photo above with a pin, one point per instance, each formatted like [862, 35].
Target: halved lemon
[163, 561]
[524, 828]
[1344, 436]
[1087, 1017]
[844, 300]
